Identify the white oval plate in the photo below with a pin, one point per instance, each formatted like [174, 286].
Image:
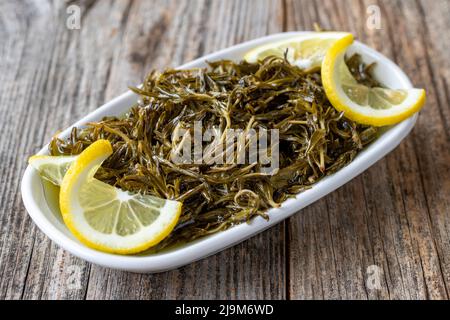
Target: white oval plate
[49, 222]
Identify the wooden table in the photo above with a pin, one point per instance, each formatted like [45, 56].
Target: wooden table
[385, 235]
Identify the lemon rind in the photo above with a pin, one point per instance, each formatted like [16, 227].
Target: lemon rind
[341, 102]
[94, 154]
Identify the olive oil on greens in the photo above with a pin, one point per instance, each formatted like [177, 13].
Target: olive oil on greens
[315, 139]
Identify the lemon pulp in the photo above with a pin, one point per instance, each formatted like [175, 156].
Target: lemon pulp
[107, 218]
[52, 168]
[305, 51]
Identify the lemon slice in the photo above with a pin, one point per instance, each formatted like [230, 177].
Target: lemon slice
[52, 168]
[107, 218]
[362, 104]
[305, 51]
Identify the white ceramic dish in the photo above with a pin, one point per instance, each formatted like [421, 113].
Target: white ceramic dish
[48, 221]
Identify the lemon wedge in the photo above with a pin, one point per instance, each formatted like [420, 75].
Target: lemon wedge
[107, 218]
[305, 51]
[52, 168]
[362, 104]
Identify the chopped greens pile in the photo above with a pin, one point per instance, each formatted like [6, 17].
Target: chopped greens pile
[315, 139]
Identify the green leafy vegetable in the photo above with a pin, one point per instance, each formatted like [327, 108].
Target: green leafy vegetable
[315, 139]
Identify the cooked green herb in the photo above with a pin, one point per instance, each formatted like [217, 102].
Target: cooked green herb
[315, 139]
[361, 72]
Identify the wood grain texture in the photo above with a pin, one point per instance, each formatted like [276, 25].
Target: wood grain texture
[395, 216]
